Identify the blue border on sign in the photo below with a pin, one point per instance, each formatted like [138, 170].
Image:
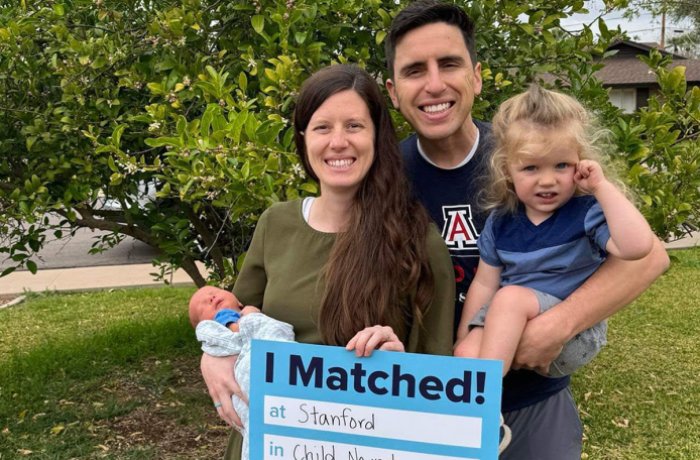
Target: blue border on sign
[485, 377]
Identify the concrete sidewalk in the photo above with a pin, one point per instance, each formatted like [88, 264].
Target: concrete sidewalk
[684, 243]
[115, 276]
[84, 278]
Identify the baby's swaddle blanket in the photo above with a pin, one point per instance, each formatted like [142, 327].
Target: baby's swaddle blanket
[218, 340]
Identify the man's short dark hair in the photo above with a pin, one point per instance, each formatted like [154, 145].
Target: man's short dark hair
[424, 12]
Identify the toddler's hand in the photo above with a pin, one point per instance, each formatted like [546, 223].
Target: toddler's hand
[589, 176]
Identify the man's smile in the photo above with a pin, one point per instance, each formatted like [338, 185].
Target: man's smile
[436, 108]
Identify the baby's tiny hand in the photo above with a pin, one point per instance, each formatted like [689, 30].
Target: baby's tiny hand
[589, 176]
[249, 309]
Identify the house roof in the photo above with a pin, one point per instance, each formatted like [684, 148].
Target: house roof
[625, 68]
[632, 71]
[627, 47]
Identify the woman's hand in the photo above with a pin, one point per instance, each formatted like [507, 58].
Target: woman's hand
[221, 384]
[374, 338]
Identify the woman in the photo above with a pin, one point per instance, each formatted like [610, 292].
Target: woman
[359, 266]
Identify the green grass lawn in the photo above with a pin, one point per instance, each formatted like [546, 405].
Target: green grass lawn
[110, 374]
[114, 374]
[640, 399]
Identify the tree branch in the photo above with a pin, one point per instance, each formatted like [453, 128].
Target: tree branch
[209, 239]
[88, 219]
[191, 269]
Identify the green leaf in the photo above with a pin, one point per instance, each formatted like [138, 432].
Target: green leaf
[186, 188]
[381, 35]
[269, 183]
[258, 23]
[31, 266]
[309, 187]
[242, 81]
[272, 164]
[116, 179]
[528, 28]
[677, 79]
[251, 126]
[239, 261]
[207, 118]
[164, 141]
[164, 192]
[386, 19]
[300, 37]
[237, 126]
[181, 125]
[603, 28]
[156, 88]
[117, 135]
[112, 165]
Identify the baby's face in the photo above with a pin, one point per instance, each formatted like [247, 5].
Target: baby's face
[208, 300]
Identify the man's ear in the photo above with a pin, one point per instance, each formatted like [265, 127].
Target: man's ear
[477, 79]
[392, 93]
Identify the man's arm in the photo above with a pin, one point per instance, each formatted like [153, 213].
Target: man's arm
[615, 284]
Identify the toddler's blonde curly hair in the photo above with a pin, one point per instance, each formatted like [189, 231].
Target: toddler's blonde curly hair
[555, 117]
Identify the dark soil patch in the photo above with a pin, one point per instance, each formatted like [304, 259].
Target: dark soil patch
[175, 420]
[150, 427]
[7, 298]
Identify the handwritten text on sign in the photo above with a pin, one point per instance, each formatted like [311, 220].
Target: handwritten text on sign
[322, 403]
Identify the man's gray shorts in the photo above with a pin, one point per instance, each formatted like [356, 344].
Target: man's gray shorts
[577, 352]
[547, 430]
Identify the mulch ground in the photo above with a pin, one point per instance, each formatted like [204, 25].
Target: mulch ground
[7, 298]
[149, 427]
[170, 424]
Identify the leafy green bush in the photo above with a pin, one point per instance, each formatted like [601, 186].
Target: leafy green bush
[661, 146]
[103, 100]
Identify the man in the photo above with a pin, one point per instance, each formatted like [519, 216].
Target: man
[434, 78]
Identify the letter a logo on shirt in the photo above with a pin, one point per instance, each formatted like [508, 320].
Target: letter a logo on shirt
[459, 231]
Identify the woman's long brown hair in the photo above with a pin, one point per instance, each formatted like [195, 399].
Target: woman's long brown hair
[378, 271]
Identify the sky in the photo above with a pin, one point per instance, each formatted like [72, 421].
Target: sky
[645, 28]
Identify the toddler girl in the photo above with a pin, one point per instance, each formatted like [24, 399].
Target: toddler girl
[554, 217]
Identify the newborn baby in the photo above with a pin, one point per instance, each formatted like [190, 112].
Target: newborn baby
[225, 329]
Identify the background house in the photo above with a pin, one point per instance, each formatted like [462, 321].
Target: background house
[631, 82]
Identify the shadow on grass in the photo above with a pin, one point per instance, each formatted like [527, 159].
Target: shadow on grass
[121, 345]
